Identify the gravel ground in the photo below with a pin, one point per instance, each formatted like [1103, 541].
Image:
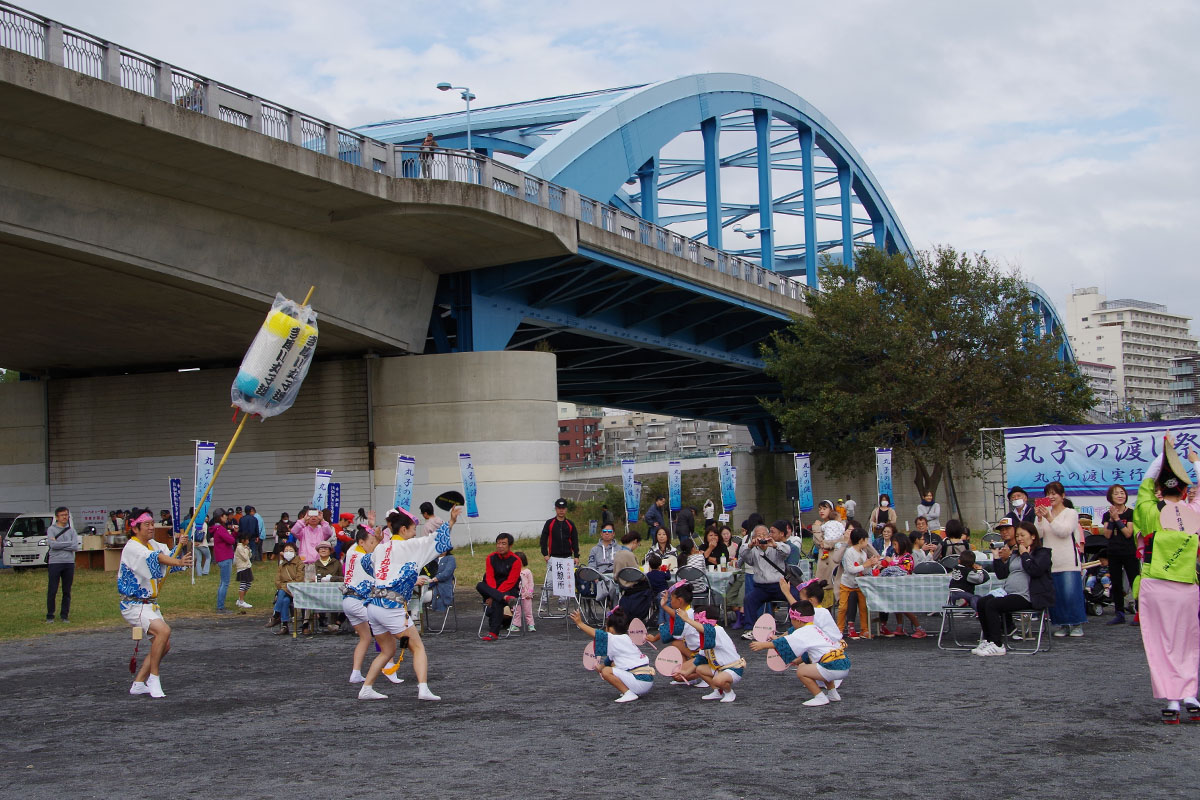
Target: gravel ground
[251, 715]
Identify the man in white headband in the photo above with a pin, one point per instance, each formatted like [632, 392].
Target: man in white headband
[143, 565]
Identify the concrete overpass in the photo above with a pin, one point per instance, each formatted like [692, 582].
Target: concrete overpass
[143, 235]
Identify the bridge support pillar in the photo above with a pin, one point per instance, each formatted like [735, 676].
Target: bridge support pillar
[501, 407]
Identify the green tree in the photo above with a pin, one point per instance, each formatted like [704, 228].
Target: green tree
[916, 353]
[9, 376]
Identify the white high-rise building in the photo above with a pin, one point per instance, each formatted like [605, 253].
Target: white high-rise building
[1138, 339]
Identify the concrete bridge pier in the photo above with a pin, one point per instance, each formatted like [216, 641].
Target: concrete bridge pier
[501, 407]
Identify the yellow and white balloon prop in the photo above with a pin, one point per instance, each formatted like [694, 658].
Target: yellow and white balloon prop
[278, 359]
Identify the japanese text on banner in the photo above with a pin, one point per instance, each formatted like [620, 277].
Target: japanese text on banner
[406, 467]
[1087, 459]
[883, 470]
[470, 488]
[627, 487]
[675, 485]
[728, 480]
[804, 488]
[320, 499]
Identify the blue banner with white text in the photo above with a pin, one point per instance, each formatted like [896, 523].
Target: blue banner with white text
[675, 485]
[176, 503]
[470, 487]
[335, 500]
[728, 480]
[804, 488]
[883, 471]
[629, 490]
[406, 468]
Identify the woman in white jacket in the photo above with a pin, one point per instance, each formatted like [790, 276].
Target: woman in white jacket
[1058, 527]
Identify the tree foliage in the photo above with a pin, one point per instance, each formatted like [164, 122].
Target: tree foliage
[917, 354]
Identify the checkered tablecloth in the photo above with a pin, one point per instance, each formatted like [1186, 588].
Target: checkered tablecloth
[317, 596]
[916, 593]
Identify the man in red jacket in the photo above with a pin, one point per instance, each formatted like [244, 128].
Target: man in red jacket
[502, 572]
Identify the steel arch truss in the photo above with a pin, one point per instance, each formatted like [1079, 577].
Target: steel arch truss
[784, 173]
[1050, 325]
[623, 337]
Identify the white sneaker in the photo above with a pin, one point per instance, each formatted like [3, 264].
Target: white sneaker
[367, 693]
[996, 651]
[1060, 631]
[139, 687]
[837, 684]
[715, 694]
[423, 693]
[1076, 631]
[832, 694]
[748, 636]
[819, 700]
[982, 648]
[628, 697]
[155, 686]
[246, 605]
[729, 696]
[357, 677]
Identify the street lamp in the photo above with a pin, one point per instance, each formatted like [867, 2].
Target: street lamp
[467, 98]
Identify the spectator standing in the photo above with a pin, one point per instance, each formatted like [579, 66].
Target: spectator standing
[559, 537]
[283, 530]
[654, 516]
[252, 528]
[223, 544]
[685, 523]
[1019, 508]
[1122, 547]
[523, 611]
[242, 569]
[1057, 525]
[606, 517]
[930, 510]
[882, 513]
[310, 530]
[164, 518]
[850, 507]
[856, 562]
[63, 541]
[829, 543]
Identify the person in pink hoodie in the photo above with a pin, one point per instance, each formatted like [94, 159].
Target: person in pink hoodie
[310, 530]
[223, 544]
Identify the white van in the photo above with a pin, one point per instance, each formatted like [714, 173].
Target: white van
[25, 543]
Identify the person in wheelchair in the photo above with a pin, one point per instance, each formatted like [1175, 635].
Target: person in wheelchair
[601, 559]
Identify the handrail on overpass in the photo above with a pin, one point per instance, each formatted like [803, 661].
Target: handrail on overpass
[48, 40]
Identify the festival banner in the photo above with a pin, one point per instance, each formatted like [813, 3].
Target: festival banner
[335, 501]
[176, 502]
[883, 471]
[637, 497]
[804, 481]
[675, 485]
[320, 498]
[630, 492]
[406, 469]
[470, 489]
[206, 464]
[728, 480]
[1087, 459]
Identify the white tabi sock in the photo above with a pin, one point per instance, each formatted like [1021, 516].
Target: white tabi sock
[155, 685]
[356, 676]
[423, 692]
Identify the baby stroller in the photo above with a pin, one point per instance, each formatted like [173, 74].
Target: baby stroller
[1096, 584]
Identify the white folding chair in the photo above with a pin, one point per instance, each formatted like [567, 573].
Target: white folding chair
[427, 611]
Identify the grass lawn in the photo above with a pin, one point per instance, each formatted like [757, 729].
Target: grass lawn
[94, 593]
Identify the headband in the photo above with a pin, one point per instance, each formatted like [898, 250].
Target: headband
[796, 615]
[145, 517]
[805, 585]
[675, 586]
[827, 503]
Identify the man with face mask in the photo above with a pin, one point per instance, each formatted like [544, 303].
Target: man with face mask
[1019, 508]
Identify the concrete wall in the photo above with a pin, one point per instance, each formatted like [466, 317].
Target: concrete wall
[23, 447]
[500, 407]
[114, 441]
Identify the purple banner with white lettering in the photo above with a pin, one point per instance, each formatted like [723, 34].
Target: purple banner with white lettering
[1087, 459]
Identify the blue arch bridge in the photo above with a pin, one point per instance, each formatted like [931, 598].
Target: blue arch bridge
[674, 225]
[733, 162]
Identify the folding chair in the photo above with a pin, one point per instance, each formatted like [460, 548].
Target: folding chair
[638, 583]
[427, 610]
[694, 576]
[1025, 621]
[546, 598]
[593, 609]
[949, 615]
[505, 631]
[929, 568]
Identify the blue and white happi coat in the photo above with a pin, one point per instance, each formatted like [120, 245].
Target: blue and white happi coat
[140, 571]
[396, 564]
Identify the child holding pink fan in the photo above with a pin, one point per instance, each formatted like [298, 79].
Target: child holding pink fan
[619, 661]
[718, 662]
[823, 661]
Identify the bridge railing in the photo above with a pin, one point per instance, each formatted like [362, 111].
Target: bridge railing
[439, 163]
[44, 38]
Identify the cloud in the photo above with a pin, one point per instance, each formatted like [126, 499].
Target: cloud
[1060, 137]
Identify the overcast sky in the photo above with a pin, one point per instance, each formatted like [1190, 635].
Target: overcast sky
[1059, 136]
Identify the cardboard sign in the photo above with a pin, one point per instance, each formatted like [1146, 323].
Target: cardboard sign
[562, 576]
